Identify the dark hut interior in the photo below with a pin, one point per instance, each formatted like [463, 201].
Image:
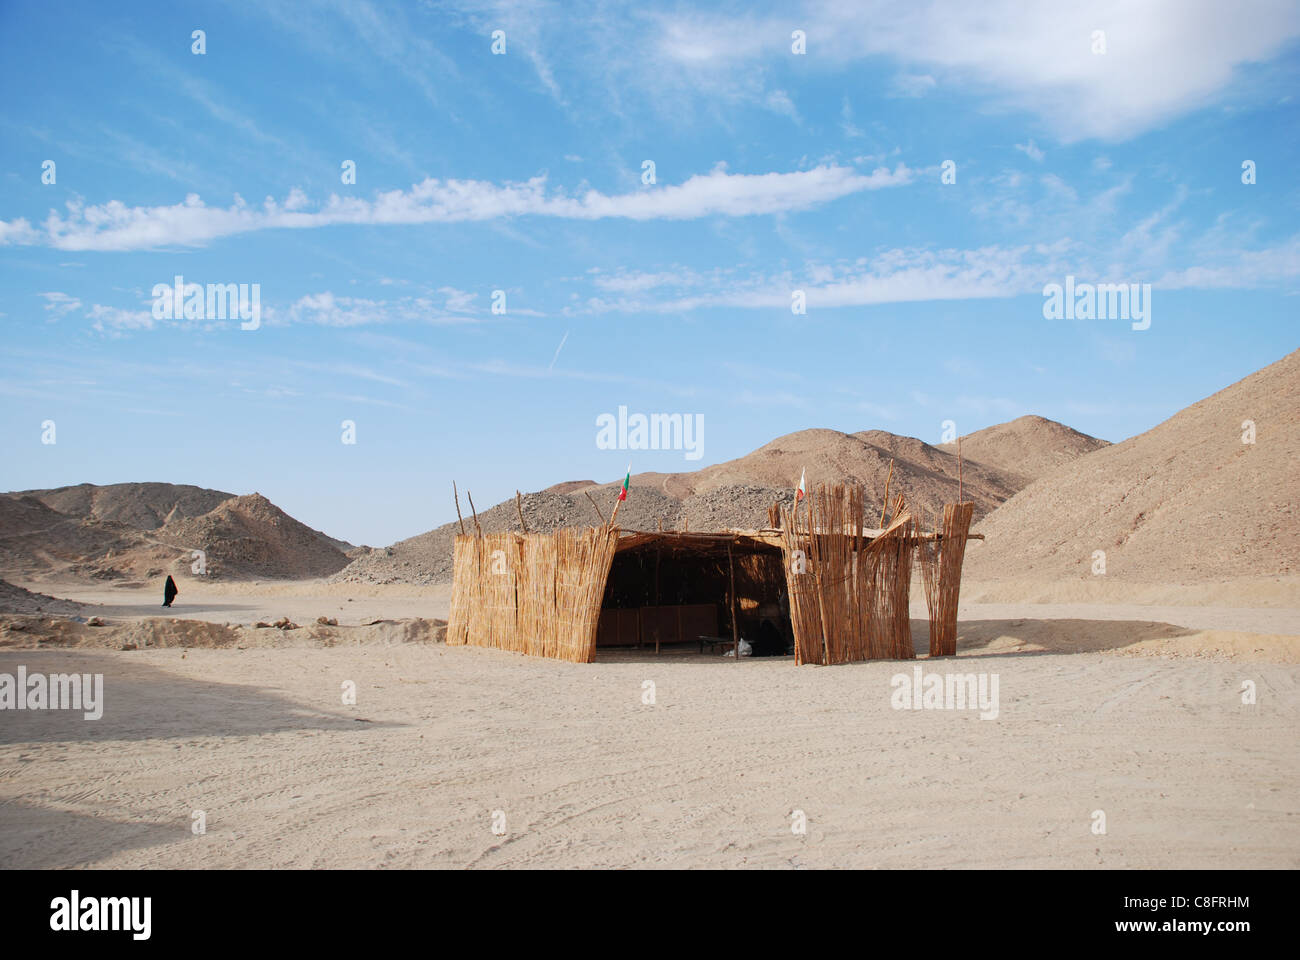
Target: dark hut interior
[675, 588]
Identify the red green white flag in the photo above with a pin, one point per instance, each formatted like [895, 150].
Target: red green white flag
[799, 492]
[622, 494]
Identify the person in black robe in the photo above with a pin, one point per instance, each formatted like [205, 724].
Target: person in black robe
[169, 592]
[769, 642]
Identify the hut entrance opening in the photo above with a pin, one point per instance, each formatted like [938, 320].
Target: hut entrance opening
[674, 590]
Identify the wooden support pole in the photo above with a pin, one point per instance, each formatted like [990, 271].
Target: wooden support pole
[959, 473]
[821, 613]
[456, 495]
[886, 503]
[475, 512]
[735, 628]
[597, 506]
[519, 505]
[659, 626]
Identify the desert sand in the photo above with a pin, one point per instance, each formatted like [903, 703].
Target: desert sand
[1132, 709]
[1159, 693]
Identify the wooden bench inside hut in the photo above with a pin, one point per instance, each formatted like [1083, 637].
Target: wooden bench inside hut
[698, 592]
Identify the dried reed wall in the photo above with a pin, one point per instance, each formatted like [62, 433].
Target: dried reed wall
[849, 594]
[941, 559]
[537, 593]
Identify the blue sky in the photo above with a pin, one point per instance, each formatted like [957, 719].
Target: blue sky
[522, 172]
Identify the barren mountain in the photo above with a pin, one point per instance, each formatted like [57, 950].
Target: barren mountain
[569, 486]
[145, 530]
[145, 506]
[1186, 501]
[35, 540]
[1028, 447]
[735, 494]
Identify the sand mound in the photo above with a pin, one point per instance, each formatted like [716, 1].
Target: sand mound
[1185, 501]
[40, 632]
[15, 599]
[250, 536]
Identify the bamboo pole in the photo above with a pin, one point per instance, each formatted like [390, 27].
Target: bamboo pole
[959, 473]
[820, 544]
[520, 507]
[475, 512]
[735, 629]
[659, 627]
[886, 503]
[597, 506]
[456, 496]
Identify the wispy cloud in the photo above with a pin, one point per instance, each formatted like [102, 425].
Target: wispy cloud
[1035, 57]
[1032, 151]
[895, 276]
[330, 310]
[60, 304]
[912, 84]
[116, 226]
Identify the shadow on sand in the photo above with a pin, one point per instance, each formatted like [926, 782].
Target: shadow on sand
[46, 838]
[975, 638]
[143, 702]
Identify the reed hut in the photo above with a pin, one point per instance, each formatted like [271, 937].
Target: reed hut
[835, 588]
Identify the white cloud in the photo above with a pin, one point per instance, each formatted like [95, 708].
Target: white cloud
[847, 126]
[912, 84]
[626, 281]
[778, 101]
[1240, 269]
[915, 275]
[115, 320]
[18, 231]
[327, 309]
[1031, 150]
[899, 275]
[115, 226]
[1164, 57]
[59, 305]
[458, 301]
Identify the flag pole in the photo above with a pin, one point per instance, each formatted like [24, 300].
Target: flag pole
[622, 494]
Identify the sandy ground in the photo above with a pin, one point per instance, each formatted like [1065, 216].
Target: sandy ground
[1270, 607]
[248, 602]
[585, 774]
[1137, 713]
